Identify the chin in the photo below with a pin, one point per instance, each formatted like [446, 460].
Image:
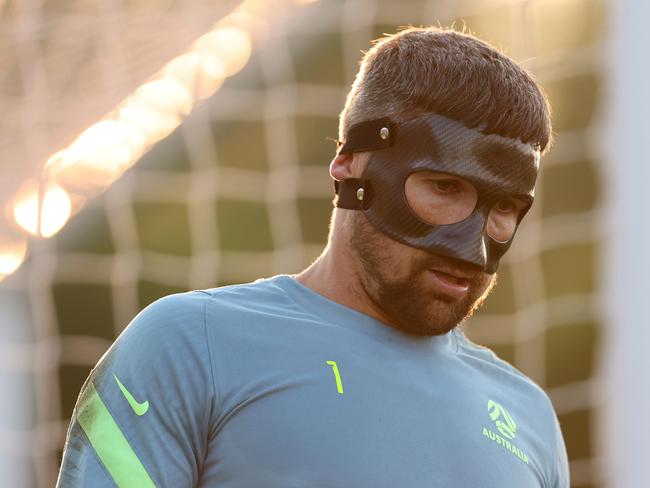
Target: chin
[435, 315]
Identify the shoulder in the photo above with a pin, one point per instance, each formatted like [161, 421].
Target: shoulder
[171, 327]
[526, 401]
[468, 348]
[187, 320]
[262, 288]
[265, 295]
[502, 371]
[187, 311]
[169, 315]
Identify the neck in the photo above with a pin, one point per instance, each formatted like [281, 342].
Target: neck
[335, 275]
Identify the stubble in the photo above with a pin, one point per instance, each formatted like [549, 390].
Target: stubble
[394, 277]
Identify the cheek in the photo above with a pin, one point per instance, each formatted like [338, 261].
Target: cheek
[392, 252]
[399, 259]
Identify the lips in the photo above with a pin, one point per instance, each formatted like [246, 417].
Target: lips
[450, 282]
[454, 279]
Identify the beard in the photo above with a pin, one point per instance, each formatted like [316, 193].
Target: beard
[394, 277]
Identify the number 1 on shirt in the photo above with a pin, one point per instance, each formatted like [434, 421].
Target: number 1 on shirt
[337, 376]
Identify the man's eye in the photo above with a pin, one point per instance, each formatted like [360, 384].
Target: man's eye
[446, 186]
[505, 206]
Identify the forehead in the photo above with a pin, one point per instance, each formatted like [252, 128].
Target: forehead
[448, 145]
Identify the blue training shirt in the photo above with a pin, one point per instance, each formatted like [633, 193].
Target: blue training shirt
[271, 385]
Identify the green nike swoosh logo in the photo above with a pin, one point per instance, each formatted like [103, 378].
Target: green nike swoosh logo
[140, 408]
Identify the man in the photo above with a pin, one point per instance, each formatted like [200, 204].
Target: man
[353, 373]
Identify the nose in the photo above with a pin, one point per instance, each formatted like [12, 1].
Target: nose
[465, 240]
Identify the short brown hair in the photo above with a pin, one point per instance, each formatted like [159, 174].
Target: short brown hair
[432, 70]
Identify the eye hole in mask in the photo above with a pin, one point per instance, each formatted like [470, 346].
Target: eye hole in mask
[503, 218]
[442, 198]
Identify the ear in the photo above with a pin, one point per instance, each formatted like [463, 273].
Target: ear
[350, 165]
[341, 166]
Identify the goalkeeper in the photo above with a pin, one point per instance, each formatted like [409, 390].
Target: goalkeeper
[353, 373]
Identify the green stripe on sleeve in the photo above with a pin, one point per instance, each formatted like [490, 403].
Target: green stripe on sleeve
[109, 442]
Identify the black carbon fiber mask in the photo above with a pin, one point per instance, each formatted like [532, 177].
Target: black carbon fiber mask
[498, 168]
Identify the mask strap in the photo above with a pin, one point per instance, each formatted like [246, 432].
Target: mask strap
[364, 136]
[368, 136]
[351, 194]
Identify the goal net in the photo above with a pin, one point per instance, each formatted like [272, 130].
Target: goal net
[240, 190]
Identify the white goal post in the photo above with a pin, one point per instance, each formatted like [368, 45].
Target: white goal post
[624, 425]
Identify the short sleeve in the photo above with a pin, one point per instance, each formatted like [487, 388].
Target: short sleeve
[143, 415]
